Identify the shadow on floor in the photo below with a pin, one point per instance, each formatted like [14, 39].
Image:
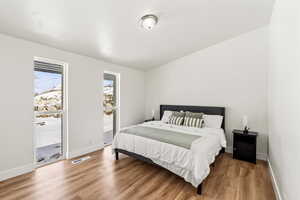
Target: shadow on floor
[48, 153]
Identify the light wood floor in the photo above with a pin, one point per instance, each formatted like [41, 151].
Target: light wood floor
[104, 178]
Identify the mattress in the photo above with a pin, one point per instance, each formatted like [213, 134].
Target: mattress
[191, 164]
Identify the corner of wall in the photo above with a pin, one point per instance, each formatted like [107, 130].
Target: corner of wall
[274, 182]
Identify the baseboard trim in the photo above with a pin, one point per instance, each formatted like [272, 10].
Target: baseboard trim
[274, 182]
[259, 156]
[17, 171]
[11, 173]
[81, 152]
[262, 156]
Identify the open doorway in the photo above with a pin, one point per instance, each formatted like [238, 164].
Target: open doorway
[110, 106]
[48, 111]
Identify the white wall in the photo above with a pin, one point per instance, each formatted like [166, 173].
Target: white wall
[284, 97]
[85, 96]
[231, 74]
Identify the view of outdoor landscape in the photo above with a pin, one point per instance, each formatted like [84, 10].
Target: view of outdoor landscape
[108, 105]
[48, 119]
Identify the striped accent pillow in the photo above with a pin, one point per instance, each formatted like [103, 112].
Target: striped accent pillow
[193, 122]
[177, 118]
[193, 119]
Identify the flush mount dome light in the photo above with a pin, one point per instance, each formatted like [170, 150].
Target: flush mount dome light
[149, 21]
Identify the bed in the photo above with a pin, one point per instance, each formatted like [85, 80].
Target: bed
[188, 153]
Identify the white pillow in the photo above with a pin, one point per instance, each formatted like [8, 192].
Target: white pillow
[213, 121]
[166, 116]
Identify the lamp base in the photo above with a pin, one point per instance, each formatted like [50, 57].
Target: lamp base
[246, 130]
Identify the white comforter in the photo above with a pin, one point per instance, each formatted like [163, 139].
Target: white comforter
[191, 164]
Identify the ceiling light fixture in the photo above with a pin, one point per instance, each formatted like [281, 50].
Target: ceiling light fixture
[149, 21]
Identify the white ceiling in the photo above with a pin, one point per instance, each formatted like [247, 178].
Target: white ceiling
[110, 29]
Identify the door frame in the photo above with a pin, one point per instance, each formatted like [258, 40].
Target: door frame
[117, 107]
[65, 135]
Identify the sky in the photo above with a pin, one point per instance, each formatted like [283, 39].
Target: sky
[108, 83]
[46, 81]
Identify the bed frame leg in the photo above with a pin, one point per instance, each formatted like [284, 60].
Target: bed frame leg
[199, 189]
[223, 150]
[117, 155]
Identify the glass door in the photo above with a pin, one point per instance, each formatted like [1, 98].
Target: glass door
[109, 105]
[48, 112]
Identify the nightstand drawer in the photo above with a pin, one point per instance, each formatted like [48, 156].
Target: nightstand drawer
[244, 151]
[244, 146]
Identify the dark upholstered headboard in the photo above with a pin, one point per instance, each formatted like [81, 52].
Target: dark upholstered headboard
[209, 110]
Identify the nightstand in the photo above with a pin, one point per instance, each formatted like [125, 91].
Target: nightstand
[244, 145]
[149, 120]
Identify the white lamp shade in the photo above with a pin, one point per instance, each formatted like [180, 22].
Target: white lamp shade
[153, 113]
[245, 121]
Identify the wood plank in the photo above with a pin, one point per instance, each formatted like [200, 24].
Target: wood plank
[102, 177]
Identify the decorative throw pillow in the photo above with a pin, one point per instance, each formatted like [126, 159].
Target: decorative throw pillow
[213, 121]
[166, 116]
[177, 118]
[193, 119]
